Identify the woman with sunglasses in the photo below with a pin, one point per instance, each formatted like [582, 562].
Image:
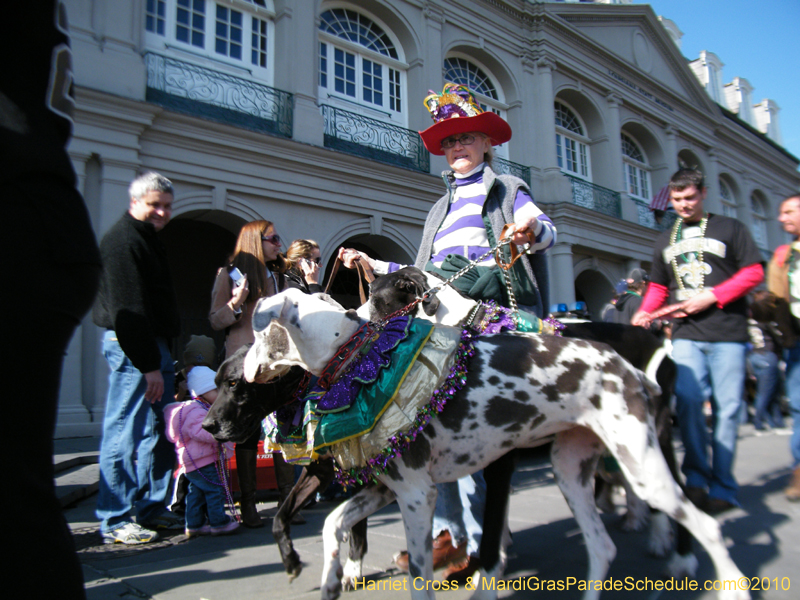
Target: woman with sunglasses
[461, 226]
[304, 259]
[255, 269]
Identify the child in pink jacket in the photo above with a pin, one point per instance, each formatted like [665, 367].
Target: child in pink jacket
[201, 457]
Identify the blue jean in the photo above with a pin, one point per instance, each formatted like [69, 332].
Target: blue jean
[715, 371]
[205, 494]
[459, 509]
[768, 380]
[136, 459]
[793, 390]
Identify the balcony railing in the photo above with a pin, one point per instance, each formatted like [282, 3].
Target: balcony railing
[361, 136]
[194, 90]
[595, 197]
[648, 219]
[507, 167]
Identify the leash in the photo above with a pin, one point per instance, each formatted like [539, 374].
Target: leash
[504, 268]
[466, 269]
[363, 275]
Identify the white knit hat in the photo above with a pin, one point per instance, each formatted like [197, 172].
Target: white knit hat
[201, 380]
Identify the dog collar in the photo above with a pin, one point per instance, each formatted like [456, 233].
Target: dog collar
[331, 371]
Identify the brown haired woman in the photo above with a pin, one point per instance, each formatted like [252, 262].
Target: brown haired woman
[304, 259]
[254, 270]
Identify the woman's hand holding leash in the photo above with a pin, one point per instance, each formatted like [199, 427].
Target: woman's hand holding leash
[522, 233]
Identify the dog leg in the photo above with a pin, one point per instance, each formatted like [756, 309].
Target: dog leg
[495, 523]
[661, 536]
[314, 477]
[575, 453]
[649, 475]
[358, 549]
[638, 512]
[337, 525]
[416, 497]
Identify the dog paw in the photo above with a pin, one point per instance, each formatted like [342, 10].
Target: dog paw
[352, 573]
[682, 566]
[662, 537]
[294, 572]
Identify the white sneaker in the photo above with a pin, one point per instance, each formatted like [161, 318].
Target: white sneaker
[130, 534]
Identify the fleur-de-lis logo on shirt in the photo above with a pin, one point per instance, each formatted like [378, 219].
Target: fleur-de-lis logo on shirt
[693, 272]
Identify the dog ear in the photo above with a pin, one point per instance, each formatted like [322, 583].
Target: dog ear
[406, 284]
[289, 313]
[277, 342]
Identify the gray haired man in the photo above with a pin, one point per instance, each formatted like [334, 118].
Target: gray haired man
[136, 306]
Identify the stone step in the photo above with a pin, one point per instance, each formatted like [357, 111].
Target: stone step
[76, 478]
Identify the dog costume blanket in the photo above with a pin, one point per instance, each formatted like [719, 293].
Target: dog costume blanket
[389, 398]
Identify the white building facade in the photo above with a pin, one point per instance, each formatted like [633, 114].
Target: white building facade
[305, 113]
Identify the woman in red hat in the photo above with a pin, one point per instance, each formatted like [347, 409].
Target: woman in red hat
[467, 221]
[462, 226]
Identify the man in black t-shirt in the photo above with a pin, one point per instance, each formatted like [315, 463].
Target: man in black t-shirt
[708, 264]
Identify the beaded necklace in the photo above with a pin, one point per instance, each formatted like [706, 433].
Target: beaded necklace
[694, 269]
[221, 463]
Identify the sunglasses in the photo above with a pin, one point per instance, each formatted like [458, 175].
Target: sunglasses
[464, 140]
[274, 239]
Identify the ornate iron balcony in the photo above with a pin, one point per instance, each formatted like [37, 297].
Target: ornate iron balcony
[190, 89]
[648, 219]
[502, 165]
[361, 136]
[595, 197]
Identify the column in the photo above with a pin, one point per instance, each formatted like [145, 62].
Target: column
[671, 150]
[426, 74]
[617, 179]
[555, 187]
[296, 26]
[712, 203]
[562, 274]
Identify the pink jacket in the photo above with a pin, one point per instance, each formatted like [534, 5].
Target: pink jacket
[198, 448]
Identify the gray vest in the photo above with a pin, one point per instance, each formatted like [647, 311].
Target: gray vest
[499, 208]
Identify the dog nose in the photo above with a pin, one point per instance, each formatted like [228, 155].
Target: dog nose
[211, 425]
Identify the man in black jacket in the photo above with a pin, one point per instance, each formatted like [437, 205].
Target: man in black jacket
[628, 303]
[137, 307]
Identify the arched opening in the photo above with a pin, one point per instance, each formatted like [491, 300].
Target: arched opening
[593, 288]
[345, 285]
[196, 249]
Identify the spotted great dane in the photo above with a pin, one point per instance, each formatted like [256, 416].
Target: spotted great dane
[521, 389]
[645, 351]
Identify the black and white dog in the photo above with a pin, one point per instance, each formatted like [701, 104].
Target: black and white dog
[237, 414]
[645, 351]
[521, 390]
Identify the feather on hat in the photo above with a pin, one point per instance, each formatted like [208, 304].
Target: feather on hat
[455, 111]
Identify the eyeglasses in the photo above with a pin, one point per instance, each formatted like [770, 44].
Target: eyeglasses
[274, 239]
[317, 260]
[464, 140]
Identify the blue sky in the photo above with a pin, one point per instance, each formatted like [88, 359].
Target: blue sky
[755, 39]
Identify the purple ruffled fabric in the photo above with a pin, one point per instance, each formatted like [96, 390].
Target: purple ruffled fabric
[366, 369]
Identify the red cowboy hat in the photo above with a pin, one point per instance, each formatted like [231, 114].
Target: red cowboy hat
[454, 112]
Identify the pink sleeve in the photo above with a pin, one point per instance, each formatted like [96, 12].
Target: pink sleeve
[741, 284]
[656, 295]
[193, 426]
